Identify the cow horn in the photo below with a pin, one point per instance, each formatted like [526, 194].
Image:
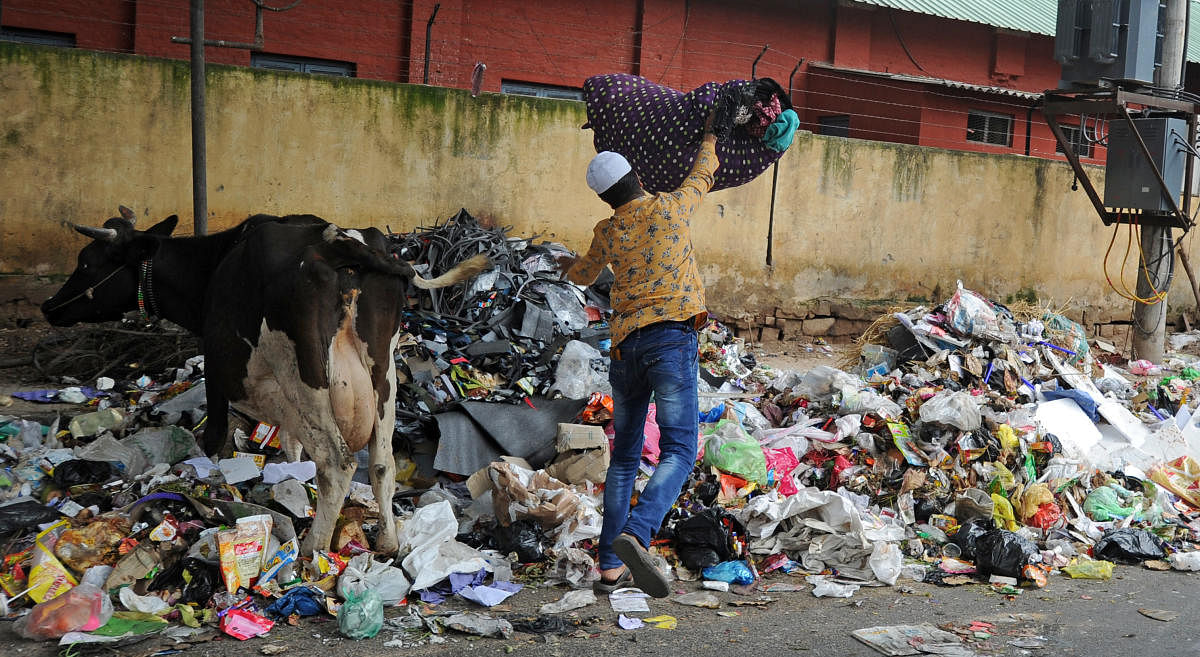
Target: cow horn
[101, 234]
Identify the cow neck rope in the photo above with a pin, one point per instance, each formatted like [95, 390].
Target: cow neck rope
[145, 291]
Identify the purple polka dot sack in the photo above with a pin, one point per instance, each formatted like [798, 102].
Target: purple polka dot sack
[658, 129]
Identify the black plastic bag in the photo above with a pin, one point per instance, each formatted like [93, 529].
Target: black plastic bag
[967, 535]
[1129, 545]
[703, 540]
[25, 515]
[1001, 552]
[205, 581]
[77, 472]
[523, 537]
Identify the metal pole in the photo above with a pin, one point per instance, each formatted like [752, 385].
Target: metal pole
[1150, 319]
[199, 161]
[775, 179]
[428, 34]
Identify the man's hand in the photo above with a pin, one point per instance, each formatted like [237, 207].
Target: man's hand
[709, 121]
[565, 262]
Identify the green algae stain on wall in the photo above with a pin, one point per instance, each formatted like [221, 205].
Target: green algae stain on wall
[909, 169]
[837, 167]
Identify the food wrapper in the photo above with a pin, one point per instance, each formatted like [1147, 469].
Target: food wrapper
[243, 624]
[285, 555]
[49, 578]
[242, 549]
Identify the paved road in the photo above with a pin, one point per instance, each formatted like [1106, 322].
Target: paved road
[1075, 617]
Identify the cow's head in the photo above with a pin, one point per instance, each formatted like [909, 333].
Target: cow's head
[104, 284]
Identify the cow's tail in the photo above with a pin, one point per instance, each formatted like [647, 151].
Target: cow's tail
[461, 272]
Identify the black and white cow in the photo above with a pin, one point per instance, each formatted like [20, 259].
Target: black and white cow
[299, 320]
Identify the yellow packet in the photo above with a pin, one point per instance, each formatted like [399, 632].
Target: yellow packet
[48, 578]
[663, 622]
[242, 549]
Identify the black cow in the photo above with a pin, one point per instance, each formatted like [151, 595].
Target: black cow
[299, 320]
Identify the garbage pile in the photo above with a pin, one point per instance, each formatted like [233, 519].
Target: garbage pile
[968, 443]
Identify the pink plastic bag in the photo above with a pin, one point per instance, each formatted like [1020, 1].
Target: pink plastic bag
[650, 448]
[81, 609]
[782, 462]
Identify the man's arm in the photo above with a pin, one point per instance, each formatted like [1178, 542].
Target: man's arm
[584, 270]
[702, 175]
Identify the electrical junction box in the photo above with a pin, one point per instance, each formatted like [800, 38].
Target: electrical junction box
[1129, 180]
[1109, 39]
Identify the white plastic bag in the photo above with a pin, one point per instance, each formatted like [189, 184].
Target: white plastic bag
[1185, 560]
[581, 370]
[823, 588]
[955, 409]
[364, 573]
[886, 562]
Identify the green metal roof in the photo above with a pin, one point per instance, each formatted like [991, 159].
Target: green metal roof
[1035, 16]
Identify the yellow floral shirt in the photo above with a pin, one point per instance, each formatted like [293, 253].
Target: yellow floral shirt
[648, 241]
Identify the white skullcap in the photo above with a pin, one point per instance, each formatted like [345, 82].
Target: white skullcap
[605, 170]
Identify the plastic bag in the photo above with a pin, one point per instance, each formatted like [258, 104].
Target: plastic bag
[25, 514]
[1002, 513]
[780, 465]
[1104, 504]
[523, 537]
[734, 572]
[76, 472]
[82, 609]
[702, 540]
[1082, 569]
[361, 615]
[1129, 545]
[363, 573]
[729, 448]
[1185, 560]
[581, 370]
[1032, 500]
[302, 600]
[822, 381]
[972, 314]
[1001, 552]
[955, 409]
[886, 562]
[968, 535]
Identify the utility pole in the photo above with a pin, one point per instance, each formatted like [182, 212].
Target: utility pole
[199, 159]
[1150, 320]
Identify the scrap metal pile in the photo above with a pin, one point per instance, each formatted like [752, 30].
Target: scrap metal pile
[966, 443]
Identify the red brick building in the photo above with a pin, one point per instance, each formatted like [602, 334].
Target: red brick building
[867, 69]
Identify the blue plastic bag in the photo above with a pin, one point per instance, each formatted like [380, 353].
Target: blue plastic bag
[300, 600]
[734, 572]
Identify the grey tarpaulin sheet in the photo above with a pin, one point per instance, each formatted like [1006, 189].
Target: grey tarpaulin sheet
[477, 433]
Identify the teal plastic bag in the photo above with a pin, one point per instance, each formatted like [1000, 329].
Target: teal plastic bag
[361, 615]
[728, 447]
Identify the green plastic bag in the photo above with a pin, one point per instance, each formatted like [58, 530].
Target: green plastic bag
[361, 615]
[1104, 504]
[728, 447]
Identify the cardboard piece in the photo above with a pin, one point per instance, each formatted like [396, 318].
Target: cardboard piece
[480, 483]
[581, 466]
[580, 436]
[519, 493]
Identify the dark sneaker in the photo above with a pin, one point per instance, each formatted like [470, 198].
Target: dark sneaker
[639, 563]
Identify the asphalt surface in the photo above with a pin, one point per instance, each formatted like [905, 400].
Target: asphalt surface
[1069, 617]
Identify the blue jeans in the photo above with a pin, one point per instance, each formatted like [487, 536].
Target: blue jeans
[661, 359]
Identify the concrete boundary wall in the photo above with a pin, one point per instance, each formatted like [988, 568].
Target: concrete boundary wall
[855, 223]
